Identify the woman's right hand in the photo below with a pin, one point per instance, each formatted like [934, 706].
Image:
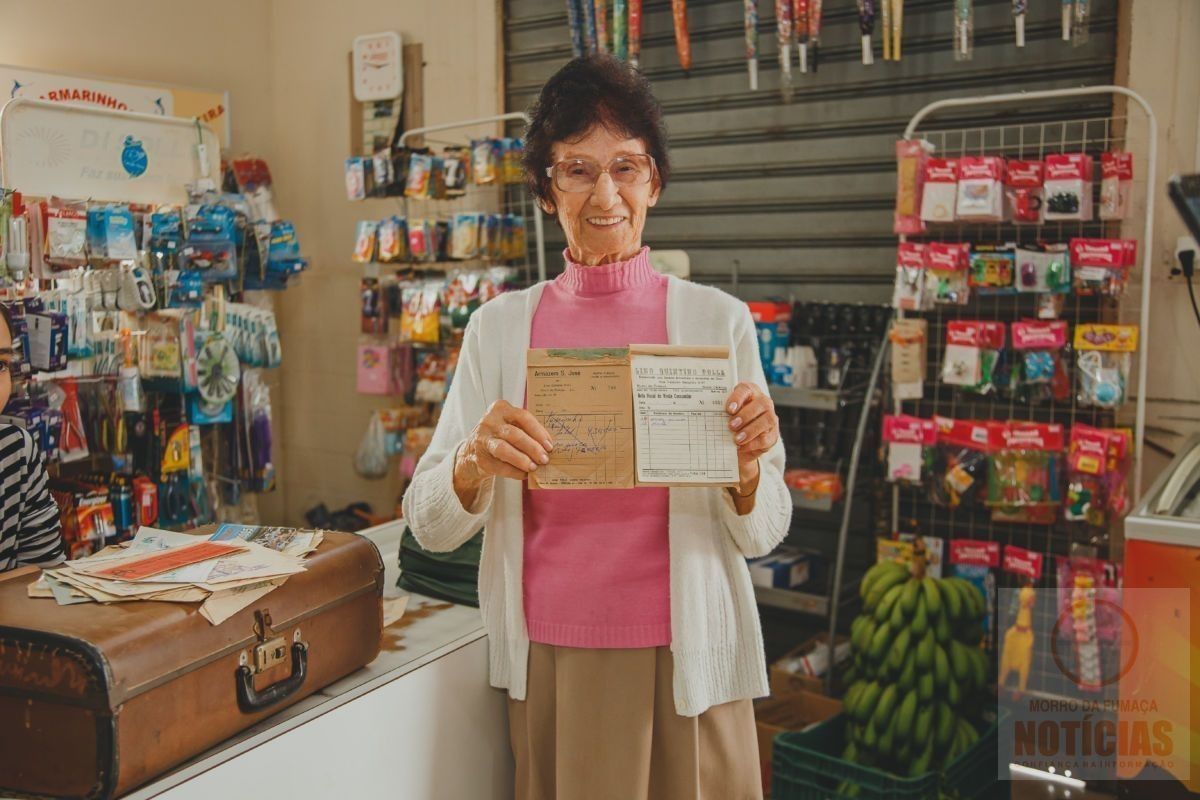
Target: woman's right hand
[508, 442]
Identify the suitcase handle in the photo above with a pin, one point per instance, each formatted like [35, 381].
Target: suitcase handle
[251, 700]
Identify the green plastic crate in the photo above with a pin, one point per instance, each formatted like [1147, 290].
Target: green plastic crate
[807, 766]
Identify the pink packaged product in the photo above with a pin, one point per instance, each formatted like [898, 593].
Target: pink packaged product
[1101, 266]
[946, 272]
[375, 370]
[1068, 187]
[1024, 195]
[980, 196]
[907, 439]
[909, 293]
[1116, 182]
[940, 191]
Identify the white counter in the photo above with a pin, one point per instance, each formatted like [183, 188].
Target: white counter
[420, 722]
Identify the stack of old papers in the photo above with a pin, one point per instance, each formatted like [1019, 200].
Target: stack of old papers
[225, 572]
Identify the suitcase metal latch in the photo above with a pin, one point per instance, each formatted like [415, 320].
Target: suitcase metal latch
[269, 652]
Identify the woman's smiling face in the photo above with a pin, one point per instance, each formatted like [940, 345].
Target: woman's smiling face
[605, 224]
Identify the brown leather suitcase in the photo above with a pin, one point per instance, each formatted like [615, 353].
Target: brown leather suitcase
[96, 700]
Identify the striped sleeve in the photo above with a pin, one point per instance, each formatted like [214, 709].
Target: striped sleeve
[38, 531]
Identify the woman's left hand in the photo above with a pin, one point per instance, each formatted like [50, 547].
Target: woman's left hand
[754, 424]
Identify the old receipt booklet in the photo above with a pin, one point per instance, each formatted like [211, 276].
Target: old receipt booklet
[647, 415]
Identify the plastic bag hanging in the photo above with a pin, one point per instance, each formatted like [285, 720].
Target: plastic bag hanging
[683, 45]
[576, 28]
[635, 31]
[964, 29]
[800, 26]
[1019, 8]
[750, 23]
[784, 30]
[371, 461]
[866, 26]
[600, 10]
[620, 28]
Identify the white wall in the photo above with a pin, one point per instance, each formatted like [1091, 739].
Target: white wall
[1164, 67]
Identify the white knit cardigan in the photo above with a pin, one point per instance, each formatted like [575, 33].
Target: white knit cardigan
[716, 638]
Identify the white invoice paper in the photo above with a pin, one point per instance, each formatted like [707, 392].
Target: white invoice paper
[681, 428]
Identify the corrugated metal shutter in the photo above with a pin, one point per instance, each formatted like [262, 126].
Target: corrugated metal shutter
[801, 193]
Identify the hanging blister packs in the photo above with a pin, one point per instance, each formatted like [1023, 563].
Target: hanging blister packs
[1103, 354]
[1039, 371]
[911, 442]
[1025, 471]
[1101, 266]
[946, 268]
[971, 359]
[211, 249]
[910, 293]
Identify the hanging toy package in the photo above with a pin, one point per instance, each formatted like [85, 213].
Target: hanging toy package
[1116, 184]
[1097, 475]
[371, 459]
[1040, 373]
[420, 168]
[364, 241]
[993, 268]
[1016, 648]
[1101, 266]
[980, 189]
[973, 562]
[959, 466]
[1068, 187]
[940, 192]
[485, 166]
[911, 155]
[66, 234]
[1023, 479]
[909, 293]
[972, 356]
[420, 241]
[1103, 354]
[1043, 269]
[946, 268]
[1089, 608]
[911, 445]
[392, 239]
[1023, 191]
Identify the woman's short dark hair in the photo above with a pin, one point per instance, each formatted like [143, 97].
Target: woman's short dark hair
[589, 91]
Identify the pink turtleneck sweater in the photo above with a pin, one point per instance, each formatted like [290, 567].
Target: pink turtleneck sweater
[597, 563]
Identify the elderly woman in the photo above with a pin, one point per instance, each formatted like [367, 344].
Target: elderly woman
[622, 622]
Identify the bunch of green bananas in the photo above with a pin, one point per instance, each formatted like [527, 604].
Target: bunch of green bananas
[917, 661]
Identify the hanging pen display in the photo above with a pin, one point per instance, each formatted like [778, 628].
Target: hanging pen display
[885, 15]
[783, 27]
[750, 23]
[800, 28]
[600, 8]
[683, 45]
[588, 17]
[897, 26]
[1080, 22]
[814, 29]
[635, 31]
[576, 28]
[1019, 7]
[620, 40]
[866, 26]
[964, 22]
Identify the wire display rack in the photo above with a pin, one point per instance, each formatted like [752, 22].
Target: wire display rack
[912, 511]
[496, 198]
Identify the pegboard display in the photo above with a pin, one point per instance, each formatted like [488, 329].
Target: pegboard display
[1066, 399]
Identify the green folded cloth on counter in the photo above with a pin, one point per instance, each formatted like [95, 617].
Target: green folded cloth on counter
[452, 576]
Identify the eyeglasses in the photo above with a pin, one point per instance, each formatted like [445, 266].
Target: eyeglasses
[580, 175]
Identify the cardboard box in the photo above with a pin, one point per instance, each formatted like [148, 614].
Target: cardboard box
[784, 681]
[790, 712]
[786, 569]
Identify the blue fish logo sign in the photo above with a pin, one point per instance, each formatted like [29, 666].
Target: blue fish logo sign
[133, 157]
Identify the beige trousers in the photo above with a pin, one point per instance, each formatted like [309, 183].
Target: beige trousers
[601, 725]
